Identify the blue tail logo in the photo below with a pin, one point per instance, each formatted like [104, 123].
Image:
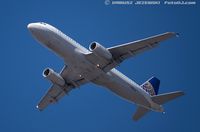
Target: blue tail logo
[151, 86]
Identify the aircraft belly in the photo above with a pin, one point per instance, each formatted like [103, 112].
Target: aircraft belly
[57, 43]
[122, 88]
[62, 48]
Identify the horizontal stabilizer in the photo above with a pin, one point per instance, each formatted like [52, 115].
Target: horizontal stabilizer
[158, 99]
[140, 112]
[163, 98]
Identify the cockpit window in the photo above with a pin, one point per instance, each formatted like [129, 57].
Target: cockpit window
[42, 23]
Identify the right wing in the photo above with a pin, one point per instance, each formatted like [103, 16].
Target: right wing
[127, 50]
[55, 93]
[130, 49]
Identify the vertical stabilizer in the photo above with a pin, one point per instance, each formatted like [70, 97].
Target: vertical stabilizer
[151, 86]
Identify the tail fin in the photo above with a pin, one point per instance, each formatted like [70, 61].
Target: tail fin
[151, 86]
[163, 98]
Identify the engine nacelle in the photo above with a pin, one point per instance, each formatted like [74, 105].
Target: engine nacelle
[100, 51]
[54, 77]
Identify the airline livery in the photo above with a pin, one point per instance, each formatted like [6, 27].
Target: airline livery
[97, 65]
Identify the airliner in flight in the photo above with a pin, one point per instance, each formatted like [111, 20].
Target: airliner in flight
[97, 65]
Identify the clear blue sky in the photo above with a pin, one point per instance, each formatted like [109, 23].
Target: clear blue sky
[91, 108]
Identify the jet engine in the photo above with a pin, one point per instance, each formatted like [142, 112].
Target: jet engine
[100, 51]
[54, 77]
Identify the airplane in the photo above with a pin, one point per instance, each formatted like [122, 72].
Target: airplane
[97, 65]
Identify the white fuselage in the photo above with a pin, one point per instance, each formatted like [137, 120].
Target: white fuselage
[73, 54]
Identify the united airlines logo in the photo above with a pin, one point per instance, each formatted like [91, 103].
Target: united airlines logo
[148, 88]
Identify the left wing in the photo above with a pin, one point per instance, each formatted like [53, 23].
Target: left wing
[127, 50]
[55, 93]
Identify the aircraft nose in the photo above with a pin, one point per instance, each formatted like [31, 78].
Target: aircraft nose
[38, 30]
[30, 25]
[36, 27]
[33, 27]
